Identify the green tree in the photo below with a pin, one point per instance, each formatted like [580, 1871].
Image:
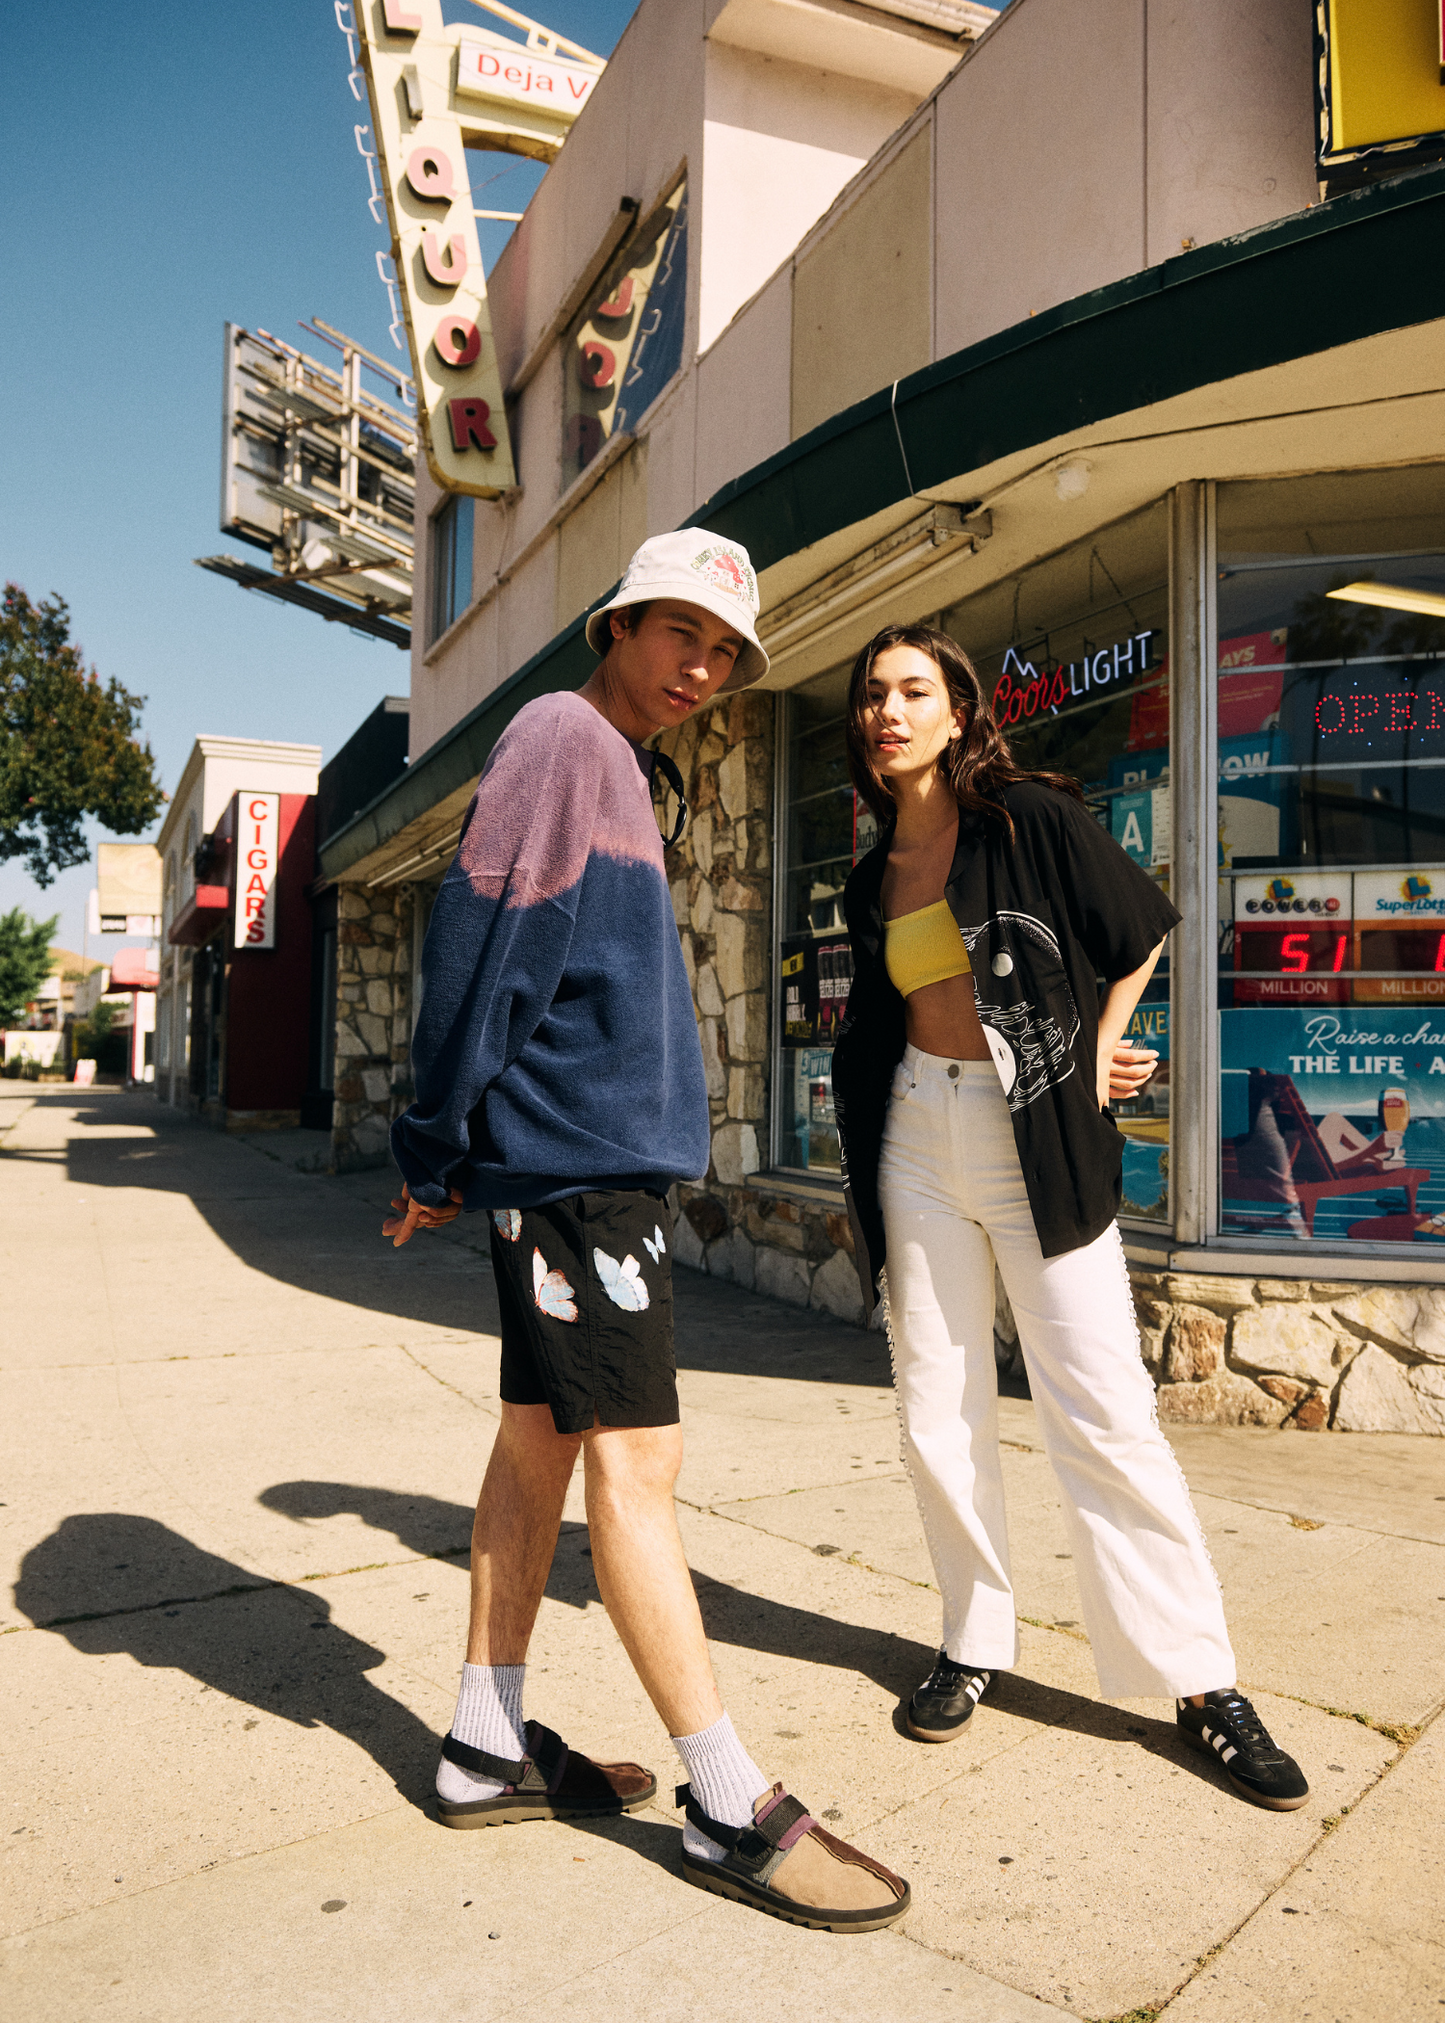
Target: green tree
[96, 1039]
[24, 961]
[67, 743]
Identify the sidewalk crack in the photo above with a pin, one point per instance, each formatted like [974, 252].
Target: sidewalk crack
[427, 1371]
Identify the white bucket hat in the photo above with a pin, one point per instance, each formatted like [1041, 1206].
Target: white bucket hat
[698, 568]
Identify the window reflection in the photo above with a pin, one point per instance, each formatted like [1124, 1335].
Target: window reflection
[1332, 859]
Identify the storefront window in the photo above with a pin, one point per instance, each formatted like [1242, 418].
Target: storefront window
[451, 563]
[1331, 627]
[826, 830]
[1075, 654]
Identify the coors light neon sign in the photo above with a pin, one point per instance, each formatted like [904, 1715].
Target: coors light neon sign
[1023, 691]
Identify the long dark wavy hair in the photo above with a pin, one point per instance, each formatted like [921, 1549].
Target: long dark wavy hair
[978, 765]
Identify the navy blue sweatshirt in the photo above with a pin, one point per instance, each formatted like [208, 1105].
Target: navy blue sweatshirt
[557, 1049]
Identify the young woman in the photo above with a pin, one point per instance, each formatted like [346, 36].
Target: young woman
[971, 1080]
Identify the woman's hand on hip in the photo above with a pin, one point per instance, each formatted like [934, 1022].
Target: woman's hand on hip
[1124, 1071]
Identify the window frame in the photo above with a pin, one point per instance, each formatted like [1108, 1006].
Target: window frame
[452, 530]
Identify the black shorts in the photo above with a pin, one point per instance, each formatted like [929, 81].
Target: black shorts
[585, 1289]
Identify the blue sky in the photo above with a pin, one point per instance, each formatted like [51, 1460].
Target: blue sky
[164, 170]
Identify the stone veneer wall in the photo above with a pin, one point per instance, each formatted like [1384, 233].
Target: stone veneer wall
[373, 1023]
[794, 1244]
[1289, 1352]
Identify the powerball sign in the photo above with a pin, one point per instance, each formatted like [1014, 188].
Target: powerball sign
[257, 848]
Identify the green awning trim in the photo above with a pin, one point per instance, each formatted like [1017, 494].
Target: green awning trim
[1355, 267]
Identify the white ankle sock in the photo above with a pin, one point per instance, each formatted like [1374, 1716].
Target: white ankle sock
[724, 1779]
[488, 1716]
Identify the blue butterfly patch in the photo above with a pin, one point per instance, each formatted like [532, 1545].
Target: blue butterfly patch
[551, 1291]
[621, 1282]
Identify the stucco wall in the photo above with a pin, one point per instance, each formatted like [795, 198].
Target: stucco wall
[862, 292]
[780, 140]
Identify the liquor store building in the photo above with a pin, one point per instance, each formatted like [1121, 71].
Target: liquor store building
[1090, 363]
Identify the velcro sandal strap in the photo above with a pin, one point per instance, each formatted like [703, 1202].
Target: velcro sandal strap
[546, 1758]
[482, 1763]
[725, 1836]
[539, 1770]
[777, 1830]
[782, 1822]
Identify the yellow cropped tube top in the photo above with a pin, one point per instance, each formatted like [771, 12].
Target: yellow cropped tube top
[923, 947]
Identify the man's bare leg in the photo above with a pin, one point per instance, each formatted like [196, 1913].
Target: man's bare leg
[514, 1534]
[514, 1539]
[643, 1577]
[637, 1555]
[642, 1573]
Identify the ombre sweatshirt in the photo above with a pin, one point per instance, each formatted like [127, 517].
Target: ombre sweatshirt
[556, 1051]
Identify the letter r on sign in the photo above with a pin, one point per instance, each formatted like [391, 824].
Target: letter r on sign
[469, 425]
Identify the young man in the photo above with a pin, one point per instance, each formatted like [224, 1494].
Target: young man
[560, 1088]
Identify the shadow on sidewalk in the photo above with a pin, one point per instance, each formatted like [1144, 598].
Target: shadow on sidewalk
[275, 1647]
[272, 1647]
[730, 1615]
[323, 1236]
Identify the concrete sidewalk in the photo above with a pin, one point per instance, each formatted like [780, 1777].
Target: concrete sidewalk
[238, 1604]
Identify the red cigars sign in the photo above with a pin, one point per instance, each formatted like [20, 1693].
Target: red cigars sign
[258, 827]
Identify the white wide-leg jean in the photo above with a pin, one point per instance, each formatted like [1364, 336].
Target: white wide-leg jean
[954, 1201]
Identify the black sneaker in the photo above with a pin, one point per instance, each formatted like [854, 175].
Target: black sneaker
[943, 1705]
[1228, 1726]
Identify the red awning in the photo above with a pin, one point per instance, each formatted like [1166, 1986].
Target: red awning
[135, 969]
[202, 914]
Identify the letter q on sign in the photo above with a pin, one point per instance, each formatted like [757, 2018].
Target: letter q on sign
[458, 342]
[429, 171]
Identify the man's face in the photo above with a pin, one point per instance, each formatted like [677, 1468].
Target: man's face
[676, 659]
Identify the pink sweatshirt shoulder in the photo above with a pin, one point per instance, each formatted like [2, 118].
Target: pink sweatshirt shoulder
[561, 784]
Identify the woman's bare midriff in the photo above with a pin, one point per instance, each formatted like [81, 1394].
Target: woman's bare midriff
[942, 1019]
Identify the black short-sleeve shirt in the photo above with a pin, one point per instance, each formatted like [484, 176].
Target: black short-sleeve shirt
[1043, 917]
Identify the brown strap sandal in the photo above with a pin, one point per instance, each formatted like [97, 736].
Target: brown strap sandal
[550, 1782]
[788, 1865]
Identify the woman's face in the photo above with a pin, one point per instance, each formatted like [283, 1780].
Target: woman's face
[907, 717]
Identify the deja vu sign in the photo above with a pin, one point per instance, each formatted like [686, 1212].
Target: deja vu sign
[258, 838]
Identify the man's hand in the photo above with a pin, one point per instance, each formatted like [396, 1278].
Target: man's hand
[1125, 1072]
[412, 1215]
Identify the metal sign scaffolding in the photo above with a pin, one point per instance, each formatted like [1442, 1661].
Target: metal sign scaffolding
[320, 472]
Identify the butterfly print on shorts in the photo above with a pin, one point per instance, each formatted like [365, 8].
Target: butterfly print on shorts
[621, 1282]
[551, 1291]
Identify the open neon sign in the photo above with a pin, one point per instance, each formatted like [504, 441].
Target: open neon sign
[1361, 712]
